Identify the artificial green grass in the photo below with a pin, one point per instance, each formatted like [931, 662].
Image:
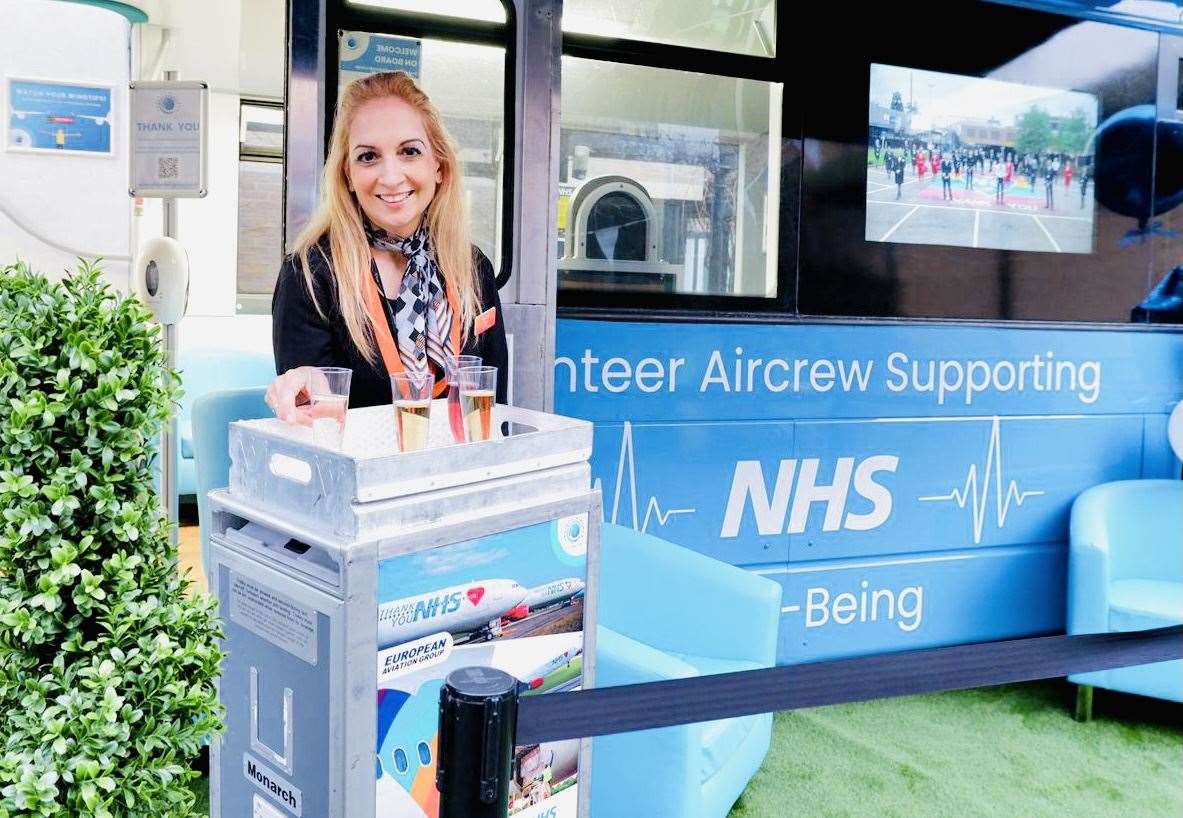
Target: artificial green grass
[200, 788]
[1006, 751]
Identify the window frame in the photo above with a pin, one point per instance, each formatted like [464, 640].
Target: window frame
[776, 69]
[260, 102]
[340, 15]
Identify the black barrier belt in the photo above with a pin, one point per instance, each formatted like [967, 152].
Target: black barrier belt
[625, 708]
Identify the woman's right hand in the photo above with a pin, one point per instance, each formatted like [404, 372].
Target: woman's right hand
[288, 396]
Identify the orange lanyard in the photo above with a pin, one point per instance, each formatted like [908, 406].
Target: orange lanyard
[383, 332]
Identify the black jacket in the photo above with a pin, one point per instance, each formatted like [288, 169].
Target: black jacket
[301, 337]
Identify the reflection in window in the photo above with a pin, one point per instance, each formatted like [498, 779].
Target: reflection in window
[260, 203]
[664, 182]
[424, 753]
[616, 229]
[491, 11]
[260, 234]
[400, 760]
[738, 26]
[467, 84]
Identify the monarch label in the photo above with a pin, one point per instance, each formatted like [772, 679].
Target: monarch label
[270, 782]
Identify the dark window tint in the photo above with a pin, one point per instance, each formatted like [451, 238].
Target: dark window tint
[617, 229]
[1058, 246]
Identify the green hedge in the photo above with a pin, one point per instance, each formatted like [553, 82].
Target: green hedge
[106, 665]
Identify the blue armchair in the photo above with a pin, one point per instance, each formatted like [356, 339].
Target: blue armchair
[1125, 573]
[204, 371]
[667, 612]
[212, 415]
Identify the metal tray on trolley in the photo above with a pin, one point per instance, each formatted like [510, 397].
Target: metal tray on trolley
[367, 487]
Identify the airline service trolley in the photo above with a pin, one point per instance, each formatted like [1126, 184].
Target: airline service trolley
[352, 580]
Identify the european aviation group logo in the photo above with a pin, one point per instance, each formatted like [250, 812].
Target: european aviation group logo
[978, 489]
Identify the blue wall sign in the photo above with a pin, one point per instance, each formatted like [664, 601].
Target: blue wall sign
[58, 117]
[363, 54]
[861, 460]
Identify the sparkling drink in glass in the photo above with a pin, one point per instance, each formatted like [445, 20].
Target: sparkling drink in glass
[414, 423]
[328, 394]
[412, 408]
[452, 371]
[478, 391]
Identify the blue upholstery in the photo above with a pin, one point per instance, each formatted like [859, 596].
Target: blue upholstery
[1125, 572]
[204, 371]
[212, 415]
[666, 612]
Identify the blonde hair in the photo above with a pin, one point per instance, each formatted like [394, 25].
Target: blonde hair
[339, 216]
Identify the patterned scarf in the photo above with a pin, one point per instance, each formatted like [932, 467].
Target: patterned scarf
[422, 314]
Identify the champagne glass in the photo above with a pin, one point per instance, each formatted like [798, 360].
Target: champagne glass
[412, 408]
[452, 368]
[478, 391]
[328, 394]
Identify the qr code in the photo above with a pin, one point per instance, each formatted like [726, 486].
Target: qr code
[168, 167]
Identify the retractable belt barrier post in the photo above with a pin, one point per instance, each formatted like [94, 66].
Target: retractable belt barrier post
[354, 578]
[478, 720]
[626, 708]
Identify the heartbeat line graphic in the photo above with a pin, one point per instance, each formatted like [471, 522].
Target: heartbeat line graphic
[992, 473]
[652, 508]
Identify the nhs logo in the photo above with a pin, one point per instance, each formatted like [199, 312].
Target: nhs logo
[796, 488]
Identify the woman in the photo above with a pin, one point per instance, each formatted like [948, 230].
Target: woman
[383, 279]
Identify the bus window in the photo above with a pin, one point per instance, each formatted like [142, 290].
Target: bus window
[260, 203]
[466, 82]
[664, 183]
[491, 11]
[743, 27]
[457, 52]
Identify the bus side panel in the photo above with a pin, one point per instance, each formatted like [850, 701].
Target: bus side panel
[948, 482]
[932, 467]
[858, 607]
[662, 372]
[672, 479]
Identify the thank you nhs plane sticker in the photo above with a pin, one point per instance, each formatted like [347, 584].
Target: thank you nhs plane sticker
[513, 601]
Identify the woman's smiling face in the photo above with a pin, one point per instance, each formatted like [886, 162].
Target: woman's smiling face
[391, 167]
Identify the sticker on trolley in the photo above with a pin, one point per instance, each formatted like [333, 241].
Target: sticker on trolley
[261, 809]
[512, 601]
[421, 653]
[572, 533]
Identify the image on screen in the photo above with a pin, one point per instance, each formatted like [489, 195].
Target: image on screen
[973, 162]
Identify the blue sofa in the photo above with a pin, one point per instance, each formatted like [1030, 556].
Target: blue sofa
[666, 612]
[204, 371]
[1125, 573]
